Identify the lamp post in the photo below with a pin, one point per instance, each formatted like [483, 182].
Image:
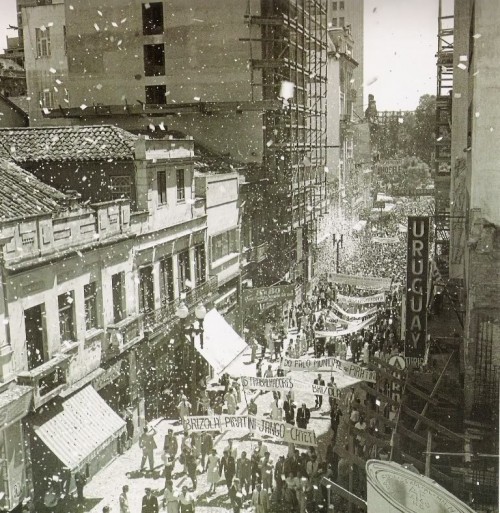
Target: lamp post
[191, 330]
[338, 243]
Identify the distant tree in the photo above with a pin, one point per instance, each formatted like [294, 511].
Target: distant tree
[423, 132]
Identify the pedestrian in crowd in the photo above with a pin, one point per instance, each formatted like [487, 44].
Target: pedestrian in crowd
[230, 399]
[354, 417]
[185, 449]
[212, 471]
[203, 403]
[360, 439]
[303, 416]
[269, 372]
[335, 414]
[191, 467]
[231, 449]
[123, 500]
[276, 410]
[170, 498]
[255, 467]
[227, 466]
[258, 369]
[289, 495]
[187, 502]
[237, 390]
[253, 345]
[252, 407]
[260, 500]
[319, 397]
[168, 469]
[244, 472]
[331, 391]
[170, 444]
[184, 408]
[279, 470]
[196, 444]
[266, 472]
[51, 497]
[262, 448]
[312, 468]
[235, 496]
[148, 445]
[106, 509]
[207, 444]
[149, 502]
[289, 409]
[80, 481]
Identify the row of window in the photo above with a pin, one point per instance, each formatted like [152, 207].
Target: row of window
[338, 5]
[161, 177]
[34, 317]
[338, 22]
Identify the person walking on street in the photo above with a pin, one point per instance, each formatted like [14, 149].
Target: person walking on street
[279, 470]
[123, 500]
[169, 467]
[149, 502]
[184, 408]
[80, 481]
[303, 416]
[331, 391]
[235, 496]
[207, 444]
[191, 464]
[260, 500]
[243, 472]
[255, 467]
[231, 402]
[289, 409]
[335, 414]
[212, 470]
[148, 445]
[228, 466]
[170, 444]
[170, 498]
[187, 503]
[319, 397]
[252, 407]
[269, 372]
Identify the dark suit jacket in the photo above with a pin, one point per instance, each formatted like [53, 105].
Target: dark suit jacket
[303, 417]
[319, 382]
[149, 505]
[228, 465]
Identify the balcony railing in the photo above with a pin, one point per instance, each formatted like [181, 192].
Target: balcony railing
[157, 319]
[47, 380]
[257, 253]
[123, 334]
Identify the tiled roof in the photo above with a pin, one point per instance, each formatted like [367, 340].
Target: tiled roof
[68, 143]
[22, 195]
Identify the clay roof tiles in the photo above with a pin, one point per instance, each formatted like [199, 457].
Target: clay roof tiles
[68, 143]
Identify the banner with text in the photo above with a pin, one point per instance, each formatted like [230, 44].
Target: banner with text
[385, 240]
[269, 294]
[416, 289]
[362, 282]
[329, 363]
[259, 426]
[358, 315]
[353, 327]
[355, 300]
[289, 384]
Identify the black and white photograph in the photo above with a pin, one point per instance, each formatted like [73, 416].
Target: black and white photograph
[249, 256]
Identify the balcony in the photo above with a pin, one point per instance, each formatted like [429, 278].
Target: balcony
[257, 254]
[47, 380]
[156, 320]
[123, 335]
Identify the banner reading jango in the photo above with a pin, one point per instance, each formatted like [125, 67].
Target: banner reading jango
[416, 289]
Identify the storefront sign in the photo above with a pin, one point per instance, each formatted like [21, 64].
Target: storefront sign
[269, 294]
[363, 282]
[416, 287]
[314, 364]
[354, 300]
[108, 376]
[258, 426]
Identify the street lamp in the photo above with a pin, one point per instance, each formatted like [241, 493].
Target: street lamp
[340, 244]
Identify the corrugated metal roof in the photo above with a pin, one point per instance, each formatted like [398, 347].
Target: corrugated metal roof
[80, 429]
[23, 195]
[67, 143]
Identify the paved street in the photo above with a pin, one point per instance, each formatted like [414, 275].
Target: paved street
[104, 488]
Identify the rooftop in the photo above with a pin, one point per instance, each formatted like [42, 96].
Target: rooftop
[22, 195]
[68, 143]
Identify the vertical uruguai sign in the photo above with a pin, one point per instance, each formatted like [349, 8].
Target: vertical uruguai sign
[416, 289]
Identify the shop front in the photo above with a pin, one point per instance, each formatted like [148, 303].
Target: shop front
[78, 434]
[227, 304]
[14, 406]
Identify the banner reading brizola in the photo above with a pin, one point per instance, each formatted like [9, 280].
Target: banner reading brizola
[258, 426]
[355, 300]
[314, 364]
[288, 384]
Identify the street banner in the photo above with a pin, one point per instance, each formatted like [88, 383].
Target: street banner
[258, 426]
[356, 300]
[266, 383]
[359, 315]
[385, 240]
[416, 289]
[329, 363]
[269, 294]
[353, 327]
[288, 384]
[362, 282]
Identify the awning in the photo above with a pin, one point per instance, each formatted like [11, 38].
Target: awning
[78, 429]
[221, 344]
[14, 404]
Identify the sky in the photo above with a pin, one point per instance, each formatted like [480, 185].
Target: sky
[399, 54]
